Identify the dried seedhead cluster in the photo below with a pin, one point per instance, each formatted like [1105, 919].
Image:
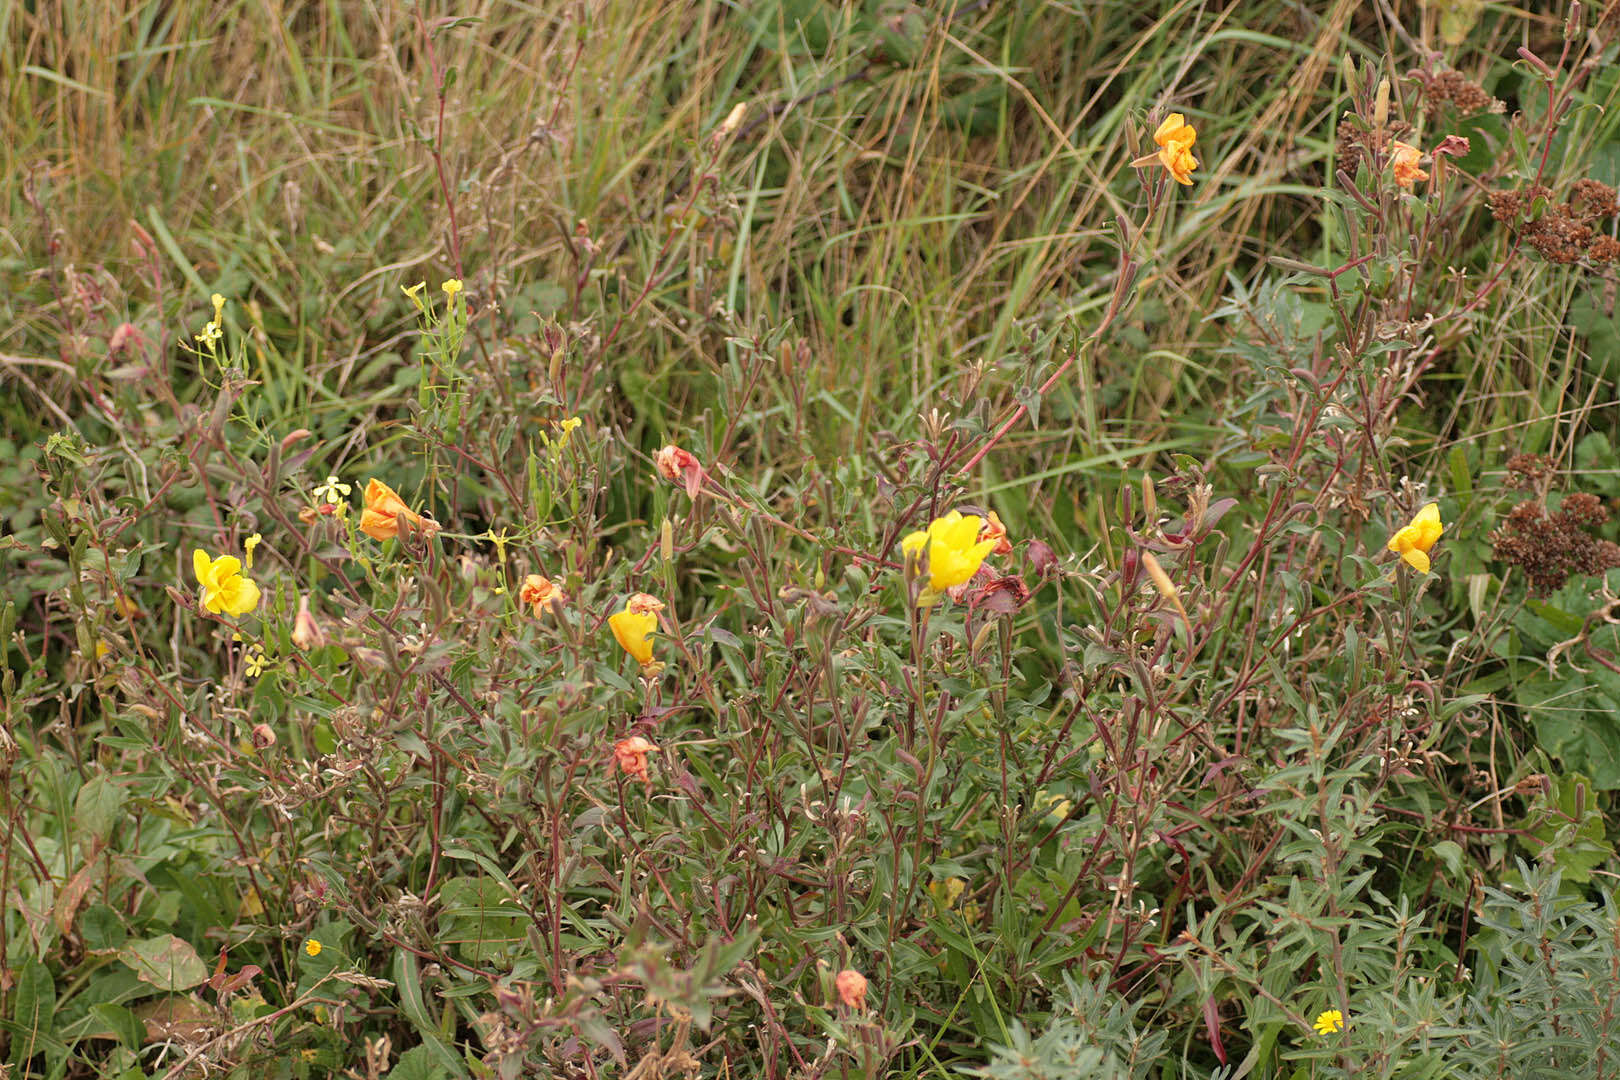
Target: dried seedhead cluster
[1549, 546]
[1458, 90]
[1355, 145]
[1566, 232]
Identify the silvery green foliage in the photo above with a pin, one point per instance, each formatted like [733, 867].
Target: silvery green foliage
[1545, 1000]
[1093, 1035]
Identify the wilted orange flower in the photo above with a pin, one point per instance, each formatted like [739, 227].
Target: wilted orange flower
[644, 604]
[1175, 138]
[631, 755]
[676, 464]
[1404, 159]
[851, 987]
[383, 510]
[993, 529]
[539, 591]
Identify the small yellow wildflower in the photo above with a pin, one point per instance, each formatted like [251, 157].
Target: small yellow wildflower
[414, 290]
[1413, 542]
[248, 545]
[312, 947]
[451, 287]
[224, 587]
[256, 662]
[212, 332]
[1328, 1022]
[334, 491]
[567, 428]
[954, 549]
[500, 540]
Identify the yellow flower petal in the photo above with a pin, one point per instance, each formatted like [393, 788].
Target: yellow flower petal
[1417, 559]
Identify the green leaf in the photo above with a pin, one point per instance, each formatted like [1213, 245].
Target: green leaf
[417, 1063]
[33, 1010]
[166, 962]
[98, 806]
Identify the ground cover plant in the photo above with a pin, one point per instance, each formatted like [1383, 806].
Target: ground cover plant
[799, 539]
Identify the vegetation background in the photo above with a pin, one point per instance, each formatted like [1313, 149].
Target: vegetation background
[868, 262]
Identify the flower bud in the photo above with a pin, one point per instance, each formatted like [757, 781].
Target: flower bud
[1156, 574]
[306, 632]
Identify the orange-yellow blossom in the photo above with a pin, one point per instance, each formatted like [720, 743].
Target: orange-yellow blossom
[1412, 542]
[631, 756]
[384, 508]
[539, 591]
[1175, 138]
[993, 529]
[1404, 160]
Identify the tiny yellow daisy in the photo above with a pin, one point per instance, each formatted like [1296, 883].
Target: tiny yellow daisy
[1328, 1022]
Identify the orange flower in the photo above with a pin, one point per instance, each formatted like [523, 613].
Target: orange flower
[1404, 159]
[631, 756]
[675, 464]
[1175, 138]
[384, 508]
[993, 529]
[851, 987]
[539, 591]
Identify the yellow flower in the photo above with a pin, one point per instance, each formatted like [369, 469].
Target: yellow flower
[633, 629]
[1413, 541]
[256, 662]
[224, 587]
[451, 287]
[248, 545]
[333, 491]
[312, 947]
[567, 428]
[414, 289]
[384, 508]
[953, 547]
[212, 333]
[500, 540]
[1328, 1022]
